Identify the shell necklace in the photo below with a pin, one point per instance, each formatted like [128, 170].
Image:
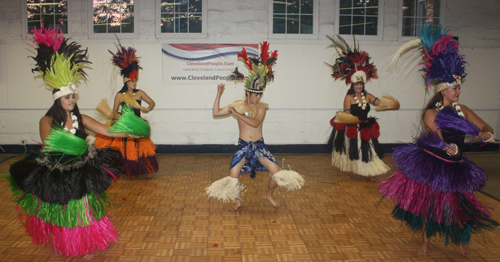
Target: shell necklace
[362, 105]
[439, 106]
[74, 126]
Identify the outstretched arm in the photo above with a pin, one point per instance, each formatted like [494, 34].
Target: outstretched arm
[372, 99]
[217, 111]
[486, 130]
[94, 126]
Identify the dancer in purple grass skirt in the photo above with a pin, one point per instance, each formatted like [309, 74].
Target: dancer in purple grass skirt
[434, 186]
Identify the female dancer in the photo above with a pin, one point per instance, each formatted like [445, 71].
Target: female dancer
[60, 191]
[138, 154]
[434, 186]
[354, 66]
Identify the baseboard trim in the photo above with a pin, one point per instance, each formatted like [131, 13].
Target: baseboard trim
[229, 149]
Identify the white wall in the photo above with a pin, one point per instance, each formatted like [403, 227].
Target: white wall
[303, 97]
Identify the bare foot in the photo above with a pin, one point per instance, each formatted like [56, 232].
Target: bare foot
[373, 179]
[422, 252]
[271, 199]
[235, 206]
[149, 176]
[424, 248]
[88, 257]
[464, 249]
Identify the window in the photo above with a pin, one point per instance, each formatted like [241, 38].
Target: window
[359, 17]
[181, 16]
[51, 13]
[417, 12]
[293, 17]
[113, 16]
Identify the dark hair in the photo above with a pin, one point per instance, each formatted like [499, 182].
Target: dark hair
[125, 88]
[438, 97]
[352, 92]
[59, 115]
[252, 93]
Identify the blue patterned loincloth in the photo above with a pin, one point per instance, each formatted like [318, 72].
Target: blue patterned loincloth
[251, 151]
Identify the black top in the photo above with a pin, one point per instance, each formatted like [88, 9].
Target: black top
[80, 134]
[360, 113]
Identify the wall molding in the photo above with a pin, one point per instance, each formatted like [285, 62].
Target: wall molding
[230, 149]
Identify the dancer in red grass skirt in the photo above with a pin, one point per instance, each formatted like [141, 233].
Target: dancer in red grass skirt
[361, 156]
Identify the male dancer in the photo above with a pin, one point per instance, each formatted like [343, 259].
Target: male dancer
[252, 155]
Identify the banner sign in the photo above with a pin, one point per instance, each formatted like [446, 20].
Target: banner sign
[202, 64]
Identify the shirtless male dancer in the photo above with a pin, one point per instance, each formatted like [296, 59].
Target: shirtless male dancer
[250, 132]
[252, 154]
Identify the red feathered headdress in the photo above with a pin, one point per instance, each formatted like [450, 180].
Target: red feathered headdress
[260, 69]
[351, 64]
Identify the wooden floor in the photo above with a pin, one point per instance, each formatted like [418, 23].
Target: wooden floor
[169, 218]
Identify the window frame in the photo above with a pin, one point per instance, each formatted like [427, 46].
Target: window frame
[204, 22]
[315, 29]
[26, 34]
[90, 23]
[442, 16]
[380, 27]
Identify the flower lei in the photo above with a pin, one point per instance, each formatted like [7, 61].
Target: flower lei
[74, 126]
[439, 106]
[363, 106]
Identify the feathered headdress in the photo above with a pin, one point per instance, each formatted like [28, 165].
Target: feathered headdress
[351, 64]
[126, 60]
[57, 61]
[443, 64]
[260, 68]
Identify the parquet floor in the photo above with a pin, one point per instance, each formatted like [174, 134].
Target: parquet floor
[169, 218]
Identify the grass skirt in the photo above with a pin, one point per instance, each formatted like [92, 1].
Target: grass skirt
[373, 168]
[56, 179]
[355, 148]
[138, 154]
[64, 205]
[437, 195]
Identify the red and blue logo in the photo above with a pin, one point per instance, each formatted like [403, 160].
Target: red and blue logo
[207, 51]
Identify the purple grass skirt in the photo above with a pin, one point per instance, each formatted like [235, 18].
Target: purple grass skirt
[437, 172]
[436, 194]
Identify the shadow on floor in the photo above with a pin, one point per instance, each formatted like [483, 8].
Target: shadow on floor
[489, 162]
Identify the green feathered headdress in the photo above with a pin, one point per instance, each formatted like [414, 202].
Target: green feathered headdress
[62, 72]
[57, 61]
